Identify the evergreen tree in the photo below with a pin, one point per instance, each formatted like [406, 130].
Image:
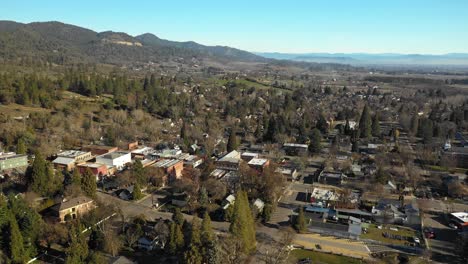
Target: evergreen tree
[137, 195]
[139, 172]
[178, 217]
[77, 251]
[271, 130]
[376, 125]
[427, 131]
[193, 254]
[15, 242]
[176, 238]
[300, 223]
[203, 200]
[21, 146]
[315, 142]
[242, 223]
[365, 123]
[207, 234]
[76, 177]
[38, 175]
[322, 124]
[88, 183]
[232, 143]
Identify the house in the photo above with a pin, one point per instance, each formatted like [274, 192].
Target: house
[291, 174]
[230, 200]
[459, 155]
[172, 167]
[294, 149]
[98, 149]
[73, 208]
[192, 161]
[258, 164]
[332, 178]
[11, 160]
[97, 169]
[66, 160]
[116, 159]
[413, 217]
[320, 195]
[229, 161]
[388, 213]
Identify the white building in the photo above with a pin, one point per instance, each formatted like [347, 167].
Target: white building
[116, 159]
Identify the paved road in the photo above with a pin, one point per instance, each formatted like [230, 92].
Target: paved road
[336, 245]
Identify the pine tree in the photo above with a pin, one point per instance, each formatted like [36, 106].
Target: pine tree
[376, 125]
[414, 125]
[365, 123]
[88, 183]
[176, 238]
[21, 146]
[207, 234]
[232, 143]
[178, 217]
[77, 252]
[322, 124]
[137, 195]
[76, 177]
[139, 172]
[242, 223]
[15, 242]
[193, 254]
[315, 142]
[203, 200]
[38, 175]
[300, 223]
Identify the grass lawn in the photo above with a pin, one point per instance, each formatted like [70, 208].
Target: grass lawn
[319, 257]
[376, 234]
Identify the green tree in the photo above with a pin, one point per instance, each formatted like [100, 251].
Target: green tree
[21, 146]
[376, 125]
[365, 123]
[76, 177]
[203, 197]
[193, 254]
[414, 125]
[322, 124]
[315, 143]
[232, 143]
[266, 213]
[77, 251]
[176, 238]
[300, 223]
[139, 172]
[88, 183]
[178, 217]
[242, 223]
[15, 242]
[38, 175]
[137, 195]
[207, 234]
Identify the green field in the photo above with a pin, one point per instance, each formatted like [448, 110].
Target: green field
[319, 257]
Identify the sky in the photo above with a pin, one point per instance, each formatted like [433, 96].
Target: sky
[289, 26]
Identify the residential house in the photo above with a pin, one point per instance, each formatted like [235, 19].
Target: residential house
[331, 177]
[73, 208]
[291, 174]
[115, 160]
[11, 160]
[459, 155]
[247, 156]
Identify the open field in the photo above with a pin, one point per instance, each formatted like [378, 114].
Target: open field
[376, 234]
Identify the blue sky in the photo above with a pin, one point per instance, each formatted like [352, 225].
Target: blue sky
[377, 26]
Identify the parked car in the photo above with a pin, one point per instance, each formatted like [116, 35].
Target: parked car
[429, 232]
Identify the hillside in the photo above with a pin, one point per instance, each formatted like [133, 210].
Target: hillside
[64, 44]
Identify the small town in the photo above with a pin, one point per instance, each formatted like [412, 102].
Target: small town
[128, 148]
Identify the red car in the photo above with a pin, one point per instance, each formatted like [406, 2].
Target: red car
[429, 232]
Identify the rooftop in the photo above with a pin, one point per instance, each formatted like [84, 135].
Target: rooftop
[114, 155]
[166, 163]
[9, 155]
[91, 165]
[232, 156]
[257, 162]
[73, 202]
[295, 145]
[462, 216]
[71, 153]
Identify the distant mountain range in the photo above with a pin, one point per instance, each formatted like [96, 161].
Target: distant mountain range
[63, 43]
[366, 59]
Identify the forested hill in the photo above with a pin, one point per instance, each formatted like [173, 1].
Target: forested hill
[65, 44]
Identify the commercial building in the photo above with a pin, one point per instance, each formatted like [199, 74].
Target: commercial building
[229, 161]
[68, 159]
[73, 208]
[258, 164]
[116, 159]
[9, 161]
